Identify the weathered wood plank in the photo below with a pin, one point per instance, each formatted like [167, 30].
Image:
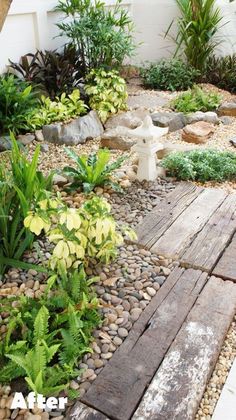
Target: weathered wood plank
[120, 386]
[209, 244]
[226, 267]
[81, 411]
[165, 213]
[181, 233]
[176, 389]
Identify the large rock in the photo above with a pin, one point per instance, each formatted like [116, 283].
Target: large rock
[228, 109]
[118, 138]
[26, 139]
[77, 131]
[174, 120]
[5, 143]
[209, 116]
[198, 132]
[174, 147]
[129, 119]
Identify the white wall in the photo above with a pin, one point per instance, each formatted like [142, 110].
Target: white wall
[30, 25]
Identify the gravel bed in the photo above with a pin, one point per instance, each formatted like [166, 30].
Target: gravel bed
[219, 376]
[125, 288]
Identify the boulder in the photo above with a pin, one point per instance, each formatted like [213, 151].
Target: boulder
[5, 143]
[129, 119]
[209, 116]
[228, 109]
[198, 132]
[118, 138]
[174, 120]
[39, 135]
[233, 141]
[59, 180]
[76, 131]
[174, 147]
[26, 139]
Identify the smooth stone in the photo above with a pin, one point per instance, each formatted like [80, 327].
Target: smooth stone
[122, 332]
[135, 314]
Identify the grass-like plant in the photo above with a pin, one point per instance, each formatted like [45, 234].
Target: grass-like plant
[196, 99]
[93, 170]
[197, 29]
[201, 165]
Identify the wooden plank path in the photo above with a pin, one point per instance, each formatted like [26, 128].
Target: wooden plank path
[161, 369]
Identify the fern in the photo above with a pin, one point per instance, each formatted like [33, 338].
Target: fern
[41, 324]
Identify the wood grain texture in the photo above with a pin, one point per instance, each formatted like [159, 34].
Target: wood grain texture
[165, 213]
[120, 386]
[179, 236]
[177, 388]
[81, 411]
[226, 267]
[210, 243]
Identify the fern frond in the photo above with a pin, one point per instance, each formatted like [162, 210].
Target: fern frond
[41, 324]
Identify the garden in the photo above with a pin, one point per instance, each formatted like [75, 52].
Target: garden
[75, 277]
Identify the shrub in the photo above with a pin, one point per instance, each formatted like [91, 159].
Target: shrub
[61, 109]
[169, 75]
[197, 30]
[92, 170]
[221, 71]
[52, 71]
[102, 36]
[196, 100]
[201, 165]
[16, 102]
[107, 92]
[21, 186]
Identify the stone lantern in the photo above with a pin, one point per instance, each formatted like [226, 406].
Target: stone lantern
[148, 144]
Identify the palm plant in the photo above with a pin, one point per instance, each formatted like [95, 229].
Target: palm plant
[198, 25]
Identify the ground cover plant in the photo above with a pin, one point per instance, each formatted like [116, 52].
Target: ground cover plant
[107, 92]
[62, 108]
[101, 36]
[201, 165]
[171, 75]
[93, 170]
[53, 72]
[197, 29]
[221, 71]
[20, 187]
[196, 99]
[17, 100]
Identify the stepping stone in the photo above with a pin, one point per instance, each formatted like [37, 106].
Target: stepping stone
[177, 387]
[226, 267]
[197, 133]
[209, 244]
[118, 389]
[82, 412]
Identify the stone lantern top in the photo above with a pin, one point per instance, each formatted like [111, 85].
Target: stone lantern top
[147, 132]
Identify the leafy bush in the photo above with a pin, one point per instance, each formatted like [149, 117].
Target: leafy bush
[196, 99]
[221, 71]
[52, 71]
[169, 75]
[20, 188]
[102, 36]
[16, 102]
[197, 30]
[61, 109]
[107, 92]
[201, 165]
[92, 170]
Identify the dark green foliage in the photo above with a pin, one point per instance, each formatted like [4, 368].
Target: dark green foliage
[201, 165]
[102, 36]
[221, 71]
[169, 75]
[47, 337]
[92, 170]
[196, 99]
[16, 102]
[53, 72]
[21, 186]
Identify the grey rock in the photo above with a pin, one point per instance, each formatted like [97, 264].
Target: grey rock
[228, 109]
[5, 143]
[26, 139]
[233, 141]
[209, 116]
[59, 180]
[75, 132]
[122, 332]
[129, 119]
[44, 148]
[226, 120]
[39, 135]
[174, 120]
[117, 138]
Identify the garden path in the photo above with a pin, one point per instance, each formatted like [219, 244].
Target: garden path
[162, 368]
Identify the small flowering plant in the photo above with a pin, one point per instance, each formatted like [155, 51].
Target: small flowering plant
[78, 234]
